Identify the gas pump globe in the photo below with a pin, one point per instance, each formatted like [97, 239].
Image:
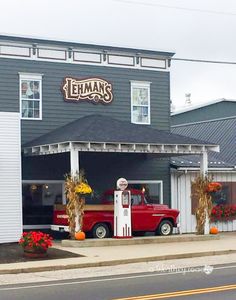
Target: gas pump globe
[122, 210]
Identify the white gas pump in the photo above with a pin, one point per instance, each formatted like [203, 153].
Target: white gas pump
[122, 210]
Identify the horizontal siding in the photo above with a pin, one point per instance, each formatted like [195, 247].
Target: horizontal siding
[10, 178]
[222, 109]
[53, 104]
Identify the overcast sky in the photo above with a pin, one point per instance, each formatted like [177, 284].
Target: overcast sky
[199, 29]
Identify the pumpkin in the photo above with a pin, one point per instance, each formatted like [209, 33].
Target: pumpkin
[80, 235]
[214, 230]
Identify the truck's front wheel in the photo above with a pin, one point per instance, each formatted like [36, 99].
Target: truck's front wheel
[101, 231]
[165, 228]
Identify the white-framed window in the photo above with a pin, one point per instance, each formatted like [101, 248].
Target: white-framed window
[140, 102]
[30, 91]
[153, 189]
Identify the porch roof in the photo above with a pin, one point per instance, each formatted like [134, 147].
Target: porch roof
[105, 134]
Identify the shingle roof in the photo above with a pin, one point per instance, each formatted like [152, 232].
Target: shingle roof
[103, 129]
[221, 132]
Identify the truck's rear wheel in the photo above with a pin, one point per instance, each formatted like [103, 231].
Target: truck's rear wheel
[101, 231]
[165, 228]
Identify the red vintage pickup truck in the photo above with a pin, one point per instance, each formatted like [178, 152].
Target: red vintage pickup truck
[99, 219]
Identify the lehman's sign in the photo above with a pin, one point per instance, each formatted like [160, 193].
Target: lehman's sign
[91, 89]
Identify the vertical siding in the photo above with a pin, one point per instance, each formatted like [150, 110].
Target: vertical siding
[10, 178]
[181, 199]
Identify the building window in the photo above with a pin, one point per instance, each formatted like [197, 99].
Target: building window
[38, 199]
[31, 96]
[226, 196]
[140, 102]
[152, 189]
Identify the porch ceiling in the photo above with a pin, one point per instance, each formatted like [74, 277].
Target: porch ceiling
[98, 133]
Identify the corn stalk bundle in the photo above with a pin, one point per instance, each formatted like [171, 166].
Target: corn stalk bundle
[76, 187]
[70, 185]
[204, 208]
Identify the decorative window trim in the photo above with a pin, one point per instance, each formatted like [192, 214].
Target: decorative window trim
[140, 84]
[150, 182]
[31, 77]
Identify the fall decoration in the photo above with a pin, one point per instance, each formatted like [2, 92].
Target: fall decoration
[223, 212]
[214, 230]
[200, 187]
[35, 243]
[80, 235]
[76, 187]
[213, 187]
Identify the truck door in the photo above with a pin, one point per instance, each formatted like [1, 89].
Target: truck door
[142, 214]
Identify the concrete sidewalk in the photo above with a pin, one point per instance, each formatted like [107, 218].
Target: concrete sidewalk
[111, 255]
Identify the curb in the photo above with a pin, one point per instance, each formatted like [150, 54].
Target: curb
[116, 262]
[137, 240]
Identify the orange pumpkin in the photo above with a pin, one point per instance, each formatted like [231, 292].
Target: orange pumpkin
[214, 230]
[80, 235]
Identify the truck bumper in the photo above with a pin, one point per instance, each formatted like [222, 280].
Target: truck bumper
[60, 228]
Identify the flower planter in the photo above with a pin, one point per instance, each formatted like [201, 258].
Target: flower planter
[35, 253]
[35, 243]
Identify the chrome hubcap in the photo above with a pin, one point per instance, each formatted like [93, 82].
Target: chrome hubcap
[165, 229]
[100, 232]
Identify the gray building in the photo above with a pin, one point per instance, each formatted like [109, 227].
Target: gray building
[102, 109]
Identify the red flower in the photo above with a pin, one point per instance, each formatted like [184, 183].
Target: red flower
[223, 212]
[36, 240]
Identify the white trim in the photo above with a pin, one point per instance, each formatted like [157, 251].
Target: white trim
[194, 107]
[196, 169]
[140, 84]
[31, 77]
[119, 54]
[103, 63]
[120, 148]
[150, 182]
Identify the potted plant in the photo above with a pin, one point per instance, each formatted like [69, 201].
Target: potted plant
[35, 243]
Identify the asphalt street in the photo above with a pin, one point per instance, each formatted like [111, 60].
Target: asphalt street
[218, 282]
